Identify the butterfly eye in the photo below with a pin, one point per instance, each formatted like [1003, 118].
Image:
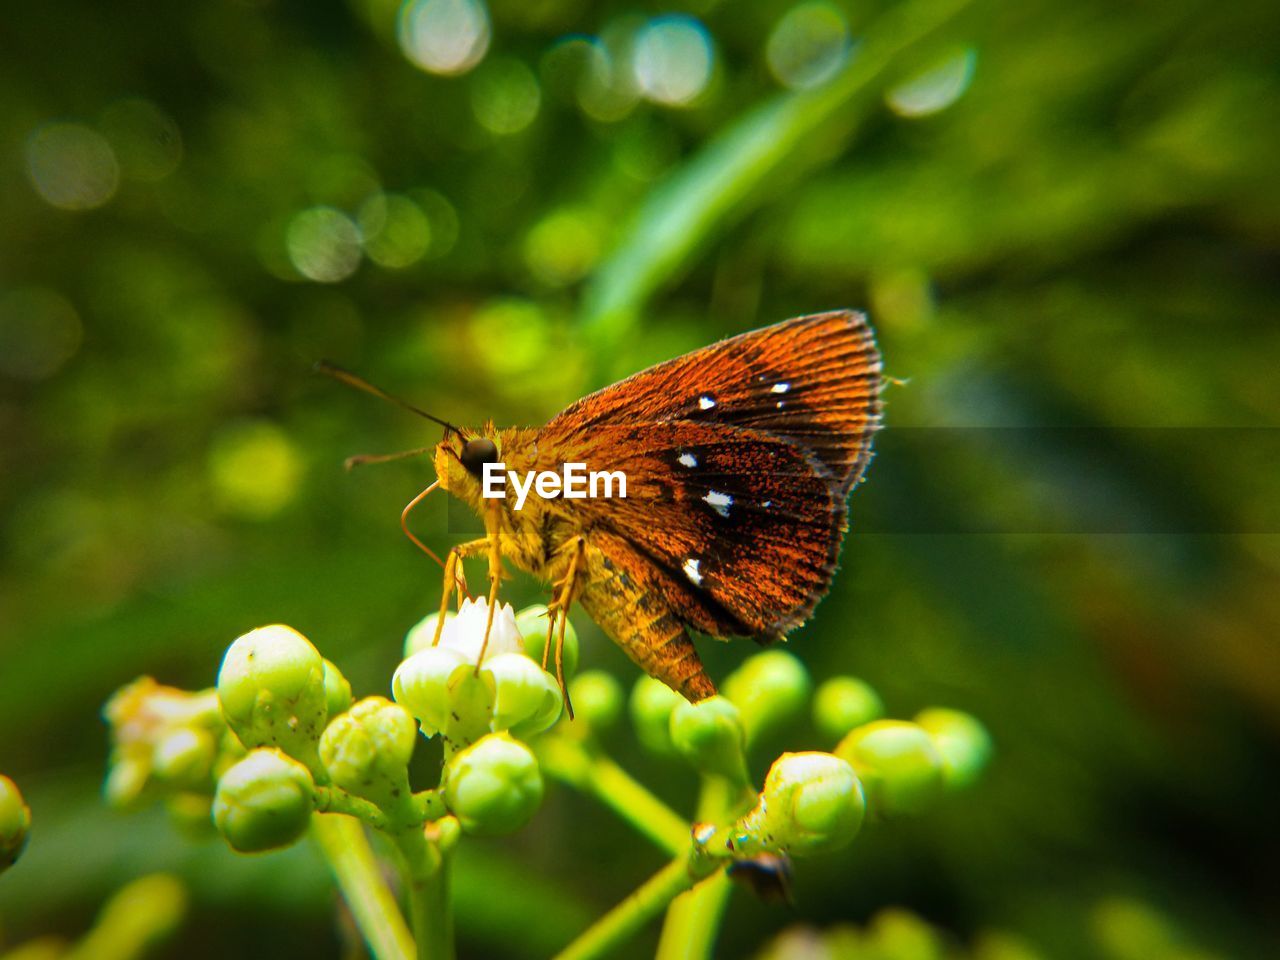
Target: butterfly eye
[476, 453]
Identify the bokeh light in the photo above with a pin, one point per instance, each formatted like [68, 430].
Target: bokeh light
[444, 36]
[562, 247]
[808, 46]
[935, 89]
[505, 96]
[39, 332]
[395, 231]
[72, 166]
[146, 140]
[323, 244]
[254, 468]
[606, 88]
[672, 59]
[442, 216]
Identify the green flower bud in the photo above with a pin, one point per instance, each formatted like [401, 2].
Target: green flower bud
[769, 689]
[597, 699]
[527, 698]
[493, 786]
[443, 690]
[532, 624]
[843, 703]
[811, 803]
[366, 751]
[337, 690]
[272, 690]
[422, 633]
[963, 743]
[897, 763]
[264, 802]
[184, 756]
[421, 685]
[652, 702]
[511, 692]
[709, 735]
[15, 823]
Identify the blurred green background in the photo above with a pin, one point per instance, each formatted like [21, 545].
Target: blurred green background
[1064, 219]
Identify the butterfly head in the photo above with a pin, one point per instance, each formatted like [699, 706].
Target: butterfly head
[460, 459]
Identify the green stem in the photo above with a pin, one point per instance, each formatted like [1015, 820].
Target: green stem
[426, 871]
[693, 921]
[346, 848]
[337, 800]
[689, 932]
[588, 769]
[604, 936]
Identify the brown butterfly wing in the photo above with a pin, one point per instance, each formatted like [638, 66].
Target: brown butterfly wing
[814, 380]
[736, 488]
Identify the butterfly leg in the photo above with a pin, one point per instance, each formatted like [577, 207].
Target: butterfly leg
[564, 591]
[494, 544]
[453, 576]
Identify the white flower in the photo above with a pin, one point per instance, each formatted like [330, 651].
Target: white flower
[464, 631]
[526, 697]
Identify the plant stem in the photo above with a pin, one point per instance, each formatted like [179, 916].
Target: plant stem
[426, 872]
[689, 932]
[430, 913]
[693, 921]
[346, 848]
[646, 902]
[586, 768]
[337, 800]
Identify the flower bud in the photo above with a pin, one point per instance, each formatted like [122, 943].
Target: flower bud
[532, 624]
[15, 823]
[264, 802]
[423, 633]
[811, 803]
[769, 689]
[897, 763]
[184, 756]
[652, 702]
[597, 699]
[272, 690]
[961, 741]
[709, 735]
[465, 632]
[843, 703]
[493, 786]
[366, 751]
[421, 685]
[527, 699]
[337, 691]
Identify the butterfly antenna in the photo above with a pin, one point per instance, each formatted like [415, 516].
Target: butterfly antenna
[360, 383]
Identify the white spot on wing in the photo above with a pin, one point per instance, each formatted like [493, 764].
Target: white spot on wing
[781, 387]
[705, 403]
[691, 571]
[720, 502]
[688, 460]
[767, 503]
[778, 404]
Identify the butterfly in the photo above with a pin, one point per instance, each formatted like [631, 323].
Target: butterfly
[739, 458]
